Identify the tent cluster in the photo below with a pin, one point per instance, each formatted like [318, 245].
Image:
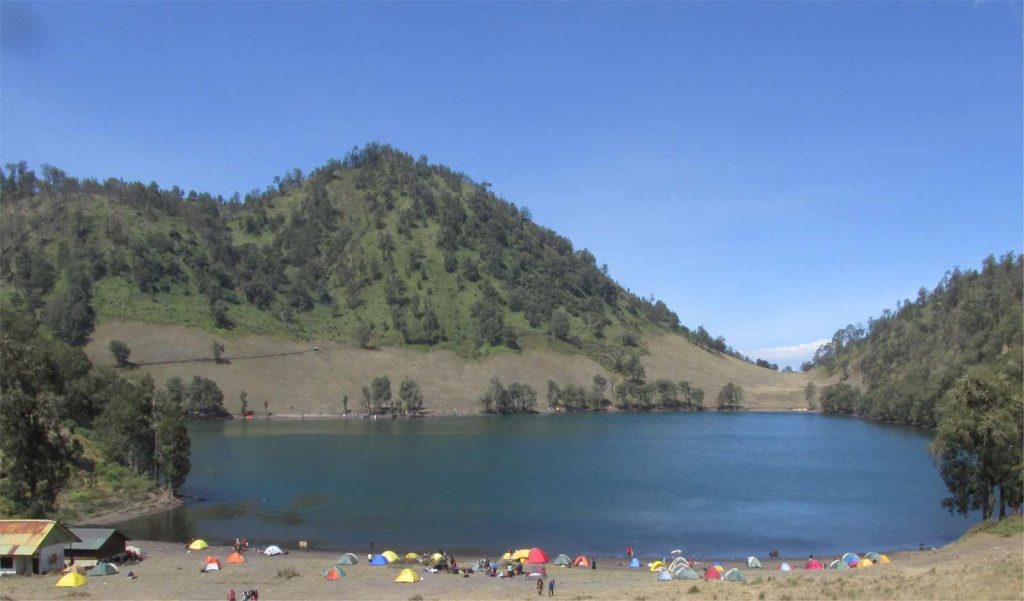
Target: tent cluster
[852, 560]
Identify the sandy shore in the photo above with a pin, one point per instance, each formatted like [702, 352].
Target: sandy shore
[983, 566]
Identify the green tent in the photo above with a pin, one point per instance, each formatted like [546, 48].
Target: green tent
[563, 560]
[682, 573]
[875, 557]
[734, 575]
[102, 569]
[838, 565]
[348, 559]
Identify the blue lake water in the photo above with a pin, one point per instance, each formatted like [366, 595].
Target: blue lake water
[712, 484]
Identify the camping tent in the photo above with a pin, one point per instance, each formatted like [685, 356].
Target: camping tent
[685, 574]
[634, 563]
[813, 564]
[412, 557]
[838, 565]
[379, 560]
[537, 572]
[563, 560]
[883, 558]
[785, 567]
[734, 575]
[334, 573]
[408, 575]
[440, 557]
[678, 562]
[103, 569]
[657, 566]
[850, 557]
[537, 555]
[753, 562]
[872, 556]
[865, 563]
[72, 579]
[391, 556]
[213, 566]
[273, 550]
[712, 574]
[521, 555]
[719, 567]
[581, 561]
[348, 559]
[198, 545]
[236, 558]
[664, 575]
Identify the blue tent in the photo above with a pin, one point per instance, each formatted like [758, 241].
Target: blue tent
[379, 560]
[634, 563]
[850, 557]
[664, 575]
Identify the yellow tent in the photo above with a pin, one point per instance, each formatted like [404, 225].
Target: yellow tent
[391, 556]
[72, 579]
[883, 559]
[865, 563]
[658, 565]
[412, 556]
[522, 554]
[407, 575]
[439, 557]
[720, 569]
[198, 544]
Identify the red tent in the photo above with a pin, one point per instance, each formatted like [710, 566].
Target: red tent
[333, 574]
[537, 555]
[814, 564]
[581, 561]
[712, 574]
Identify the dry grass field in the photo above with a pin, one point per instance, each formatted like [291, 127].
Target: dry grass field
[294, 379]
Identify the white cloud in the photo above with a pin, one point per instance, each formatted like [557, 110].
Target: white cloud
[787, 354]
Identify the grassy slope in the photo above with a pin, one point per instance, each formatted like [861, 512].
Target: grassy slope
[315, 382]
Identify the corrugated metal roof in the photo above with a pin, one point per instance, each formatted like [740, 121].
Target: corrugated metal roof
[24, 537]
[94, 538]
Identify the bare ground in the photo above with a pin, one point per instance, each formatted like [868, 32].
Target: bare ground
[294, 379]
[983, 566]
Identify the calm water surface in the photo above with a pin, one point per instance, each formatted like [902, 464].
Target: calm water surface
[714, 485]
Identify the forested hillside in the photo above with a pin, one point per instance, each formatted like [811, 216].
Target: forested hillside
[376, 250]
[910, 358]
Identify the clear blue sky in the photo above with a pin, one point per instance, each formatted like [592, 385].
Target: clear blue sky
[773, 171]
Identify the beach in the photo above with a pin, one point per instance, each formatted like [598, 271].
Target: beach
[981, 566]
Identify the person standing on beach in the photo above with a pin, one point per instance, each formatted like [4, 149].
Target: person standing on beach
[551, 587]
[540, 587]
[629, 552]
[593, 564]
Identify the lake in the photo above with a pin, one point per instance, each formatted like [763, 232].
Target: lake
[712, 484]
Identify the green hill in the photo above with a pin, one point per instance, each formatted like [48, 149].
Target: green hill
[906, 361]
[377, 251]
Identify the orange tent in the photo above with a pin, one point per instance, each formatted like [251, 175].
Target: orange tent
[236, 558]
[211, 559]
[581, 561]
[334, 573]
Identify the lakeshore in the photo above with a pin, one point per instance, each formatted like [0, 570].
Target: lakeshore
[979, 566]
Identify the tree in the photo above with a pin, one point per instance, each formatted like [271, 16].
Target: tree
[219, 313]
[597, 392]
[344, 405]
[36, 453]
[361, 335]
[125, 428]
[730, 397]
[203, 398]
[977, 447]
[244, 402]
[174, 445]
[218, 352]
[522, 398]
[560, 324]
[381, 389]
[810, 392]
[121, 352]
[496, 399]
[266, 408]
[839, 398]
[69, 313]
[410, 396]
[553, 395]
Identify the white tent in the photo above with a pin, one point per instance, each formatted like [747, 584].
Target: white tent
[753, 562]
[677, 563]
[273, 550]
[212, 566]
